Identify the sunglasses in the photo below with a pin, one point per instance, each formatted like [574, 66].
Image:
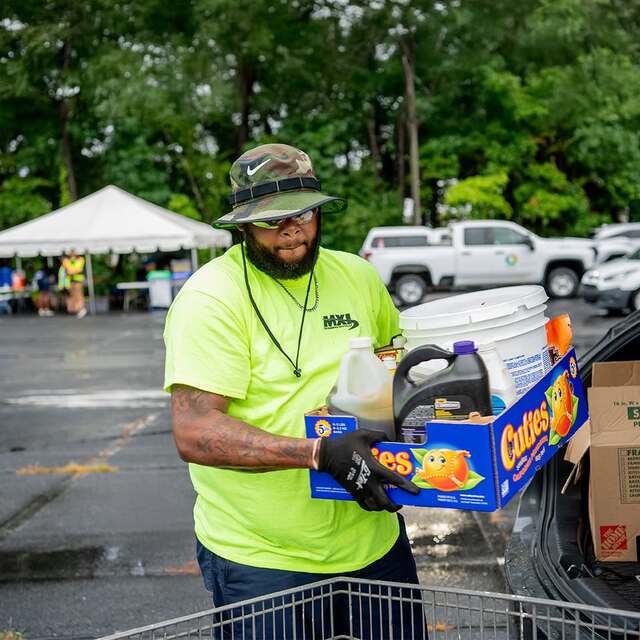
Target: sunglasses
[303, 218]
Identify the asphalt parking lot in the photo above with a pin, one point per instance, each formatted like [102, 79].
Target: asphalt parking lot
[107, 545]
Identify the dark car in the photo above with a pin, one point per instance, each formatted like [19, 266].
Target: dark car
[550, 553]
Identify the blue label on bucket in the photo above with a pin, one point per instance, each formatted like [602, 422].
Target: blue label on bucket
[526, 370]
[498, 405]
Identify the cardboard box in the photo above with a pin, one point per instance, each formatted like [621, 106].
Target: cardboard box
[474, 465]
[614, 481]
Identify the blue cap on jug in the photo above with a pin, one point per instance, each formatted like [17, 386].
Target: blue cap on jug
[464, 346]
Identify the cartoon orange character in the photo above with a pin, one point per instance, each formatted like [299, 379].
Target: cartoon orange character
[562, 405]
[445, 469]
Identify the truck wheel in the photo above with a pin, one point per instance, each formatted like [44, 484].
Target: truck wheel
[410, 289]
[562, 282]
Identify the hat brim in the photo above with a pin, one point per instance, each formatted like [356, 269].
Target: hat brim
[280, 206]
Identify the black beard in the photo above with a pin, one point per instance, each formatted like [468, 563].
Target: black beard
[270, 264]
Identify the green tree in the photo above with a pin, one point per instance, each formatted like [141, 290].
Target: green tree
[20, 200]
[480, 197]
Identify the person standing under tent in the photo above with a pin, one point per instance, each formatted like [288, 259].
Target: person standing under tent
[42, 280]
[71, 280]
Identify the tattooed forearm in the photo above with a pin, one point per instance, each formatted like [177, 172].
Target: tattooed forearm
[205, 434]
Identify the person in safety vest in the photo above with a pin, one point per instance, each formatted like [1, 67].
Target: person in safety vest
[71, 281]
[250, 347]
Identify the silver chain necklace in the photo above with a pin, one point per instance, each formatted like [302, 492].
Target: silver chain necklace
[315, 305]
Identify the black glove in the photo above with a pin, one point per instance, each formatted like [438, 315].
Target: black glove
[349, 460]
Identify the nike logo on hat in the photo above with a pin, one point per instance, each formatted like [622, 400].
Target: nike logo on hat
[252, 170]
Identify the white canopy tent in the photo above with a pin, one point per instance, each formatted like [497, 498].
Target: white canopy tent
[109, 221]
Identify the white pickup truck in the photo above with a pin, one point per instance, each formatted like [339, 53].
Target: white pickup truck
[479, 253]
[615, 241]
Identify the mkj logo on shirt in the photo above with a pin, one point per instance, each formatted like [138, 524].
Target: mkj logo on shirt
[340, 320]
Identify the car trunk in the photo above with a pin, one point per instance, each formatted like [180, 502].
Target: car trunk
[550, 553]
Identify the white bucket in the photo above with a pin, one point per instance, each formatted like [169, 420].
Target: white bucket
[512, 317]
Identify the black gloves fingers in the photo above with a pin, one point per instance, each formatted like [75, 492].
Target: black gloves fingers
[349, 460]
[391, 477]
[379, 500]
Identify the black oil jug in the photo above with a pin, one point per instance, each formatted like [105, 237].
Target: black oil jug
[451, 394]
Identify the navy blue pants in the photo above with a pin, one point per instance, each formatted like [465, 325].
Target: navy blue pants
[369, 613]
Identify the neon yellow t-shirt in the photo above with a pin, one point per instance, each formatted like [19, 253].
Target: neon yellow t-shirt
[216, 343]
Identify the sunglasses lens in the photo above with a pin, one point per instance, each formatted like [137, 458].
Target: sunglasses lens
[303, 218]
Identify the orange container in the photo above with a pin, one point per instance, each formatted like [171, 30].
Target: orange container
[559, 336]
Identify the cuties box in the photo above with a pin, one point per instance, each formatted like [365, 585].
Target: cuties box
[474, 464]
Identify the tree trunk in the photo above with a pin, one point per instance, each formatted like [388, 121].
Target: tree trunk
[195, 189]
[374, 147]
[412, 126]
[246, 93]
[64, 115]
[401, 131]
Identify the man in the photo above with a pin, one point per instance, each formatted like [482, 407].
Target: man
[248, 353]
[71, 280]
[42, 280]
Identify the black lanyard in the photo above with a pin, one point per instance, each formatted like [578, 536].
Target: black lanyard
[296, 369]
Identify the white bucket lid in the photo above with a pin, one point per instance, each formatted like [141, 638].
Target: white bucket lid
[469, 308]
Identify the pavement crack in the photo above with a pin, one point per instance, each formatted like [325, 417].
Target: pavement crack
[153, 432]
[33, 506]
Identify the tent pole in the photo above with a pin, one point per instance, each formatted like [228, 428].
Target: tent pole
[18, 263]
[194, 260]
[92, 293]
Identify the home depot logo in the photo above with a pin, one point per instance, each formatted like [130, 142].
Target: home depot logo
[339, 320]
[613, 538]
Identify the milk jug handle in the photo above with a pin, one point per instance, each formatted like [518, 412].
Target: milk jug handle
[422, 354]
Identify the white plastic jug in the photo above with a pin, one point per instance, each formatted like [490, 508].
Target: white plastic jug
[501, 383]
[364, 388]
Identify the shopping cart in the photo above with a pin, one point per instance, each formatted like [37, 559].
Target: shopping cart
[380, 610]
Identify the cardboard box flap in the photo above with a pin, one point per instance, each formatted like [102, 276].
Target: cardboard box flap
[573, 478]
[579, 444]
[616, 374]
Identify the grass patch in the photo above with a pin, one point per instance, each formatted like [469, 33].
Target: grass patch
[72, 468]
[11, 635]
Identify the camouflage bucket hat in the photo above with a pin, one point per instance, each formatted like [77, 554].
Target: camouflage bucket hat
[273, 182]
